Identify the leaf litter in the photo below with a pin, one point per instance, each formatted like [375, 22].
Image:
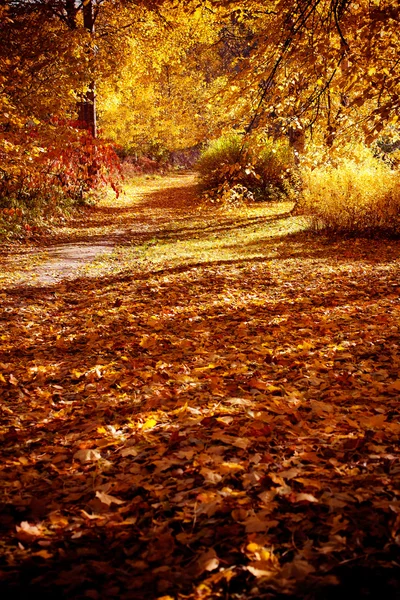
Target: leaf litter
[204, 423]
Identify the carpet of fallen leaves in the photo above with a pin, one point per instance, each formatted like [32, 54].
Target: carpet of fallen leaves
[212, 412]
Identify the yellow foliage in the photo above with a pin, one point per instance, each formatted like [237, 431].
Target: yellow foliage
[355, 193]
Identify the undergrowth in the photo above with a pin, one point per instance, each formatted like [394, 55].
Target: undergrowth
[61, 169]
[356, 194]
[232, 169]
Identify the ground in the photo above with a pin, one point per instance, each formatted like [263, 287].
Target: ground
[199, 403]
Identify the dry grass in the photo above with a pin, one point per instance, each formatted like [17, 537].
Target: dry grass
[357, 194]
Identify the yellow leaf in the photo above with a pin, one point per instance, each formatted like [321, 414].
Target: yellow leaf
[229, 467]
[148, 341]
[154, 322]
[77, 374]
[58, 520]
[266, 554]
[149, 424]
[273, 388]
[207, 367]
[43, 554]
[253, 547]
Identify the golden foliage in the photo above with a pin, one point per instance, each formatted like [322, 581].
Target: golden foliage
[357, 193]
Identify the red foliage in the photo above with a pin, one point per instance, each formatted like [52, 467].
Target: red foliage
[59, 164]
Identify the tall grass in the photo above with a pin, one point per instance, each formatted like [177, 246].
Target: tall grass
[355, 194]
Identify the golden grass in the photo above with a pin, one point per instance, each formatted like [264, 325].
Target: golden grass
[355, 194]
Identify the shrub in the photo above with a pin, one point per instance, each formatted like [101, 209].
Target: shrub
[59, 167]
[275, 166]
[220, 161]
[357, 194]
[143, 156]
[262, 169]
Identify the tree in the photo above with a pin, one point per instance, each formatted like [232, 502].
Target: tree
[47, 65]
[327, 64]
[162, 92]
[280, 67]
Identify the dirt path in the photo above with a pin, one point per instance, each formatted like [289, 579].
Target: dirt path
[151, 211]
[138, 215]
[199, 404]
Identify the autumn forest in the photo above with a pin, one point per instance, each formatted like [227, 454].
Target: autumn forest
[199, 299]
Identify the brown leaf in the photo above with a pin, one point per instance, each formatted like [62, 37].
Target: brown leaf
[13, 380]
[262, 568]
[27, 532]
[107, 499]
[87, 455]
[208, 561]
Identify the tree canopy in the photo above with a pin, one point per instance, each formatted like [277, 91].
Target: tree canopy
[174, 73]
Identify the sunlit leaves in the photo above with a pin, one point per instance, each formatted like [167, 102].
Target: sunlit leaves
[254, 443]
[165, 75]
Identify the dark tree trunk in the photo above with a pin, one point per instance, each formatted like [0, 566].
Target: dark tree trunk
[71, 11]
[87, 107]
[87, 110]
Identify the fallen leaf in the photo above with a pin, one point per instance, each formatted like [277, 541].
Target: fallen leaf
[26, 532]
[302, 497]
[107, 499]
[87, 455]
[208, 561]
[149, 424]
[261, 568]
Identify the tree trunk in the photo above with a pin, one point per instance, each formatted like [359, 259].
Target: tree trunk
[87, 107]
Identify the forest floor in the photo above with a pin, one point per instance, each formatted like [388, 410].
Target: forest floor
[199, 403]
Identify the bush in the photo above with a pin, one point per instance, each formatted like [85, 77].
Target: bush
[144, 157]
[358, 194]
[219, 161]
[60, 167]
[276, 169]
[262, 169]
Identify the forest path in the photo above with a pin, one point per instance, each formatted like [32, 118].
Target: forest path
[118, 232]
[209, 408]
[138, 214]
